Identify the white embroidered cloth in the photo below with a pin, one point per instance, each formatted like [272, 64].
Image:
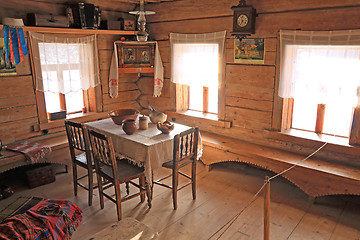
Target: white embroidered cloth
[114, 75]
[149, 148]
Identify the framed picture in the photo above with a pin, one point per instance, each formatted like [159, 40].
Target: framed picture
[136, 55]
[6, 69]
[249, 51]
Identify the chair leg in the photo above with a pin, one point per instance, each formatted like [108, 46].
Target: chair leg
[90, 185]
[152, 185]
[148, 194]
[75, 178]
[127, 188]
[142, 184]
[193, 176]
[175, 182]
[118, 200]
[100, 186]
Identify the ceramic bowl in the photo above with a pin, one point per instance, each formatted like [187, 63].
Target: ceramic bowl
[165, 127]
[120, 115]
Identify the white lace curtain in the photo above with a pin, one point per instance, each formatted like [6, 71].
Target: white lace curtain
[323, 64]
[64, 64]
[185, 51]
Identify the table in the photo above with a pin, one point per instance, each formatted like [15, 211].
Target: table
[149, 148]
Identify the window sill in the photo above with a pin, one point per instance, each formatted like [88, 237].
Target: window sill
[78, 117]
[310, 139]
[318, 137]
[198, 117]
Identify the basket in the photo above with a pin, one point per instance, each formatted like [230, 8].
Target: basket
[40, 175]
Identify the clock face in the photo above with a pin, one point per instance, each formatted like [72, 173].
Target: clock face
[242, 20]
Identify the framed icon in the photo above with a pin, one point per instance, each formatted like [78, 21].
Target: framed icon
[136, 55]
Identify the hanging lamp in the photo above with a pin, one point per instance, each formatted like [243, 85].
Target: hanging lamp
[142, 35]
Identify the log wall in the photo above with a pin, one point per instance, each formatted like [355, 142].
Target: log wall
[18, 109]
[252, 104]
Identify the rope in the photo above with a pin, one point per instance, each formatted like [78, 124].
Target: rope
[231, 221]
[296, 164]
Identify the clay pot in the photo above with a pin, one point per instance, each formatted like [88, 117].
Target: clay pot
[143, 123]
[165, 127]
[129, 126]
[156, 116]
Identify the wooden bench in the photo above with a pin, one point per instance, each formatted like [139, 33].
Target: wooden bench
[314, 176]
[60, 153]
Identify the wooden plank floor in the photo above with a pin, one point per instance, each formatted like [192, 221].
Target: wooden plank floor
[221, 194]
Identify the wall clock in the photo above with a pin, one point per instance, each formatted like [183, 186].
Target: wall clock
[244, 20]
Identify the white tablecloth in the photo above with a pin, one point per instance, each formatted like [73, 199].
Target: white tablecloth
[149, 148]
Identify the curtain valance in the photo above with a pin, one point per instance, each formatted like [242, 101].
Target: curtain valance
[324, 64]
[64, 64]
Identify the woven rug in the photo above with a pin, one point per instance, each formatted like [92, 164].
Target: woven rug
[20, 205]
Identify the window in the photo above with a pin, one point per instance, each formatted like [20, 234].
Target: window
[65, 69]
[320, 74]
[52, 71]
[197, 63]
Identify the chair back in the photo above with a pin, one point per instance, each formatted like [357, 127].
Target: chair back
[78, 138]
[185, 147]
[103, 152]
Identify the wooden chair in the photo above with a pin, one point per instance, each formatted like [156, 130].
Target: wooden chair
[185, 152]
[78, 140]
[117, 171]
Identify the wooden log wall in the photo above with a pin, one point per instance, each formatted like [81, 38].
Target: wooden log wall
[252, 104]
[128, 91]
[18, 109]
[18, 112]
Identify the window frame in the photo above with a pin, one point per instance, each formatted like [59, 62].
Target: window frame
[92, 96]
[181, 92]
[283, 107]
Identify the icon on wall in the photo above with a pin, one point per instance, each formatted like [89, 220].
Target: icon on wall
[249, 51]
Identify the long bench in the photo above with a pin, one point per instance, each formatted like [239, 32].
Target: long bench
[60, 154]
[314, 176]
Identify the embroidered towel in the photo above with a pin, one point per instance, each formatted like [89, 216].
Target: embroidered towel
[158, 73]
[114, 76]
[15, 44]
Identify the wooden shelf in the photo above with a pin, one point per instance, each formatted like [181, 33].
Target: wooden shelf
[135, 70]
[75, 31]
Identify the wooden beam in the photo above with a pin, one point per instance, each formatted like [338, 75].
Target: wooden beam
[62, 101]
[205, 99]
[320, 116]
[355, 128]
